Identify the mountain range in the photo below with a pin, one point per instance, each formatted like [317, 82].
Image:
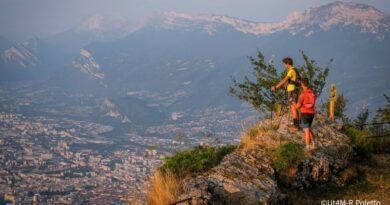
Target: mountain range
[176, 62]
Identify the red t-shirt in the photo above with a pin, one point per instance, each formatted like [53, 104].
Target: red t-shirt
[307, 100]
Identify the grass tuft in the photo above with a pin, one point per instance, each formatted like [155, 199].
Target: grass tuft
[164, 188]
[259, 136]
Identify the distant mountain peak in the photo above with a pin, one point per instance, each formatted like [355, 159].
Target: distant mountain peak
[210, 23]
[103, 23]
[367, 18]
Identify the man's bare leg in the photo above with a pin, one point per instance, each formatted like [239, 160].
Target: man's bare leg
[313, 139]
[294, 114]
[307, 136]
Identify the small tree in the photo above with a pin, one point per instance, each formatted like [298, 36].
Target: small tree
[361, 119]
[383, 114]
[316, 75]
[258, 92]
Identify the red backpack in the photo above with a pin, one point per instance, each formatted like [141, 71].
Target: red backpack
[309, 100]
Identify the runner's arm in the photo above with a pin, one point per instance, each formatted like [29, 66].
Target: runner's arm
[281, 83]
[300, 102]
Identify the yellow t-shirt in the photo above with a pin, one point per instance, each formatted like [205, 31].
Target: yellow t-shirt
[293, 76]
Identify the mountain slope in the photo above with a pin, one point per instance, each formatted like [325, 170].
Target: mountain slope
[94, 29]
[182, 62]
[31, 59]
[189, 59]
[45, 56]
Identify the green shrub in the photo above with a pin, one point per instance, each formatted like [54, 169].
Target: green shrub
[197, 160]
[287, 155]
[361, 144]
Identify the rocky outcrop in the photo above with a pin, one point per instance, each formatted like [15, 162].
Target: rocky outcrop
[244, 177]
[247, 177]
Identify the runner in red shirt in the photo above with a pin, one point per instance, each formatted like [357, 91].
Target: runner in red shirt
[306, 104]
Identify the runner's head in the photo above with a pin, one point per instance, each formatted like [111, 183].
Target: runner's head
[288, 62]
[305, 82]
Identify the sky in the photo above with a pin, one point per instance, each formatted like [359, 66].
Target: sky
[22, 19]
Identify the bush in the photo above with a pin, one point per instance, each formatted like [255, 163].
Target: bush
[361, 144]
[197, 160]
[286, 155]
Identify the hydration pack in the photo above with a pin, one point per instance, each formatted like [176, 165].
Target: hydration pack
[309, 100]
[297, 81]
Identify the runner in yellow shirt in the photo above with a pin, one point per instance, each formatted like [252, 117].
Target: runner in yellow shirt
[290, 79]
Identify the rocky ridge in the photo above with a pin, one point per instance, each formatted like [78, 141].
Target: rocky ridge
[338, 14]
[247, 177]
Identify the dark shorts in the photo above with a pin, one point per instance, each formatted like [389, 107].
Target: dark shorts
[306, 120]
[292, 97]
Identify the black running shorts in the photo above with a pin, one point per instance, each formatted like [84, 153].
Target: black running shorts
[306, 120]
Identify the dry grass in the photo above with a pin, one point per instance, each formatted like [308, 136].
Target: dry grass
[247, 143]
[259, 136]
[135, 202]
[250, 138]
[164, 189]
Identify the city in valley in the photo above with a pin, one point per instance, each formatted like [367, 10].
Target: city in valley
[58, 159]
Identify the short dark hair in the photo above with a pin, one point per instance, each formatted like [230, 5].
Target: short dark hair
[288, 61]
[305, 82]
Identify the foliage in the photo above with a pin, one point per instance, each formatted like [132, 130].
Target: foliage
[361, 144]
[372, 182]
[360, 135]
[287, 155]
[258, 92]
[361, 119]
[383, 114]
[197, 160]
[339, 107]
[316, 75]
